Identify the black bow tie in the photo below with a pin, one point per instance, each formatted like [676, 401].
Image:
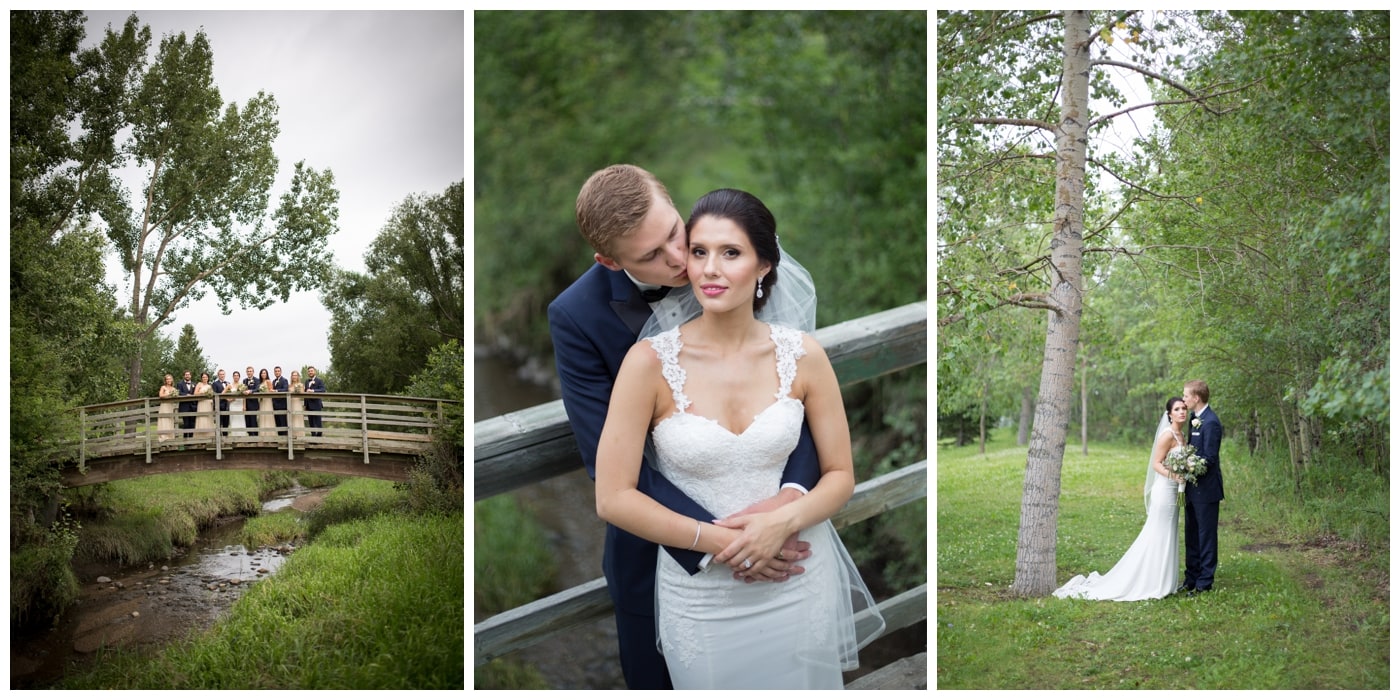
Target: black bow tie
[651, 296]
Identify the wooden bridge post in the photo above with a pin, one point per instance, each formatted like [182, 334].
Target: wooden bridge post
[82, 438]
[291, 434]
[218, 433]
[146, 414]
[364, 427]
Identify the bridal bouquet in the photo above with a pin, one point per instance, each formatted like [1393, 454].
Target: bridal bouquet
[1185, 461]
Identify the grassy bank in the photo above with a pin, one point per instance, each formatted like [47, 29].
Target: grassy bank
[138, 520]
[375, 600]
[1301, 597]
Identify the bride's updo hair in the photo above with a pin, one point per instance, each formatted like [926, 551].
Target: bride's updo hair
[746, 211]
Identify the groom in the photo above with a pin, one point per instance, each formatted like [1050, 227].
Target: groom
[1202, 498]
[639, 240]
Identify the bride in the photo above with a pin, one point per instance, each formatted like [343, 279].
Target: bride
[723, 397]
[1149, 568]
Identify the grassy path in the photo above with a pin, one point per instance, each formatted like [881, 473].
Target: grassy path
[1294, 605]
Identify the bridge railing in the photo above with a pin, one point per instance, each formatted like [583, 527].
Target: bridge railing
[360, 423]
[534, 444]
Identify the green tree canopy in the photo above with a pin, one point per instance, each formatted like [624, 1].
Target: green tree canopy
[410, 300]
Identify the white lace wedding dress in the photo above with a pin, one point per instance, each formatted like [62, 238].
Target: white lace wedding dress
[716, 632]
[1149, 568]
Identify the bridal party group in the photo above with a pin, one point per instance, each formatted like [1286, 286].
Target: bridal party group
[241, 404]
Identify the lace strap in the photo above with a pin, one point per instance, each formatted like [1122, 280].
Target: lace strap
[787, 346]
[668, 349]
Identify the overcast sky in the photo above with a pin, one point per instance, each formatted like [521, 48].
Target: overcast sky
[377, 97]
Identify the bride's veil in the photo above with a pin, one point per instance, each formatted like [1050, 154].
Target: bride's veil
[1162, 426]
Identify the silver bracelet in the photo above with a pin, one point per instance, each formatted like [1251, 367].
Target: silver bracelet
[697, 536]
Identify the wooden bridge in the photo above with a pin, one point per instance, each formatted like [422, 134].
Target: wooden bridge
[361, 435]
[536, 443]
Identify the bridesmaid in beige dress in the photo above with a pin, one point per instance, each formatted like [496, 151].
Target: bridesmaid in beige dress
[165, 413]
[295, 406]
[204, 423]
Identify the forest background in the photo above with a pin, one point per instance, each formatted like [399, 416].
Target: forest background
[822, 115]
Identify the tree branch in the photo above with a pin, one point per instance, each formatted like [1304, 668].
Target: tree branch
[206, 274]
[1010, 121]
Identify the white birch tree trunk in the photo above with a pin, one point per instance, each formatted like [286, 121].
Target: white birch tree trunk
[1035, 544]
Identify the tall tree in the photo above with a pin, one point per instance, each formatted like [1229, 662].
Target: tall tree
[199, 222]
[410, 300]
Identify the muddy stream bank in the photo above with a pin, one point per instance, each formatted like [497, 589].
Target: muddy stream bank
[155, 603]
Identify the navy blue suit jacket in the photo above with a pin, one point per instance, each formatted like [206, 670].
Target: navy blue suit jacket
[280, 384]
[251, 404]
[1209, 488]
[593, 324]
[314, 385]
[186, 388]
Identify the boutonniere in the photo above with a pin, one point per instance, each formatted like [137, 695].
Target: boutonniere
[1195, 422]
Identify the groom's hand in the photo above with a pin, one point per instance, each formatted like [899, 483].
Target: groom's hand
[757, 531]
[793, 551]
[760, 543]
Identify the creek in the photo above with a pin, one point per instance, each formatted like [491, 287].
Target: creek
[151, 604]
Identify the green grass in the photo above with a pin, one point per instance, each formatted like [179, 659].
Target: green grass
[1300, 599]
[355, 499]
[274, 528]
[370, 604]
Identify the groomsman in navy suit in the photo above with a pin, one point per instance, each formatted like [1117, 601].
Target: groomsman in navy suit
[219, 386]
[314, 384]
[186, 388]
[251, 405]
[639, 240]
[280, 404]
[1203, 497]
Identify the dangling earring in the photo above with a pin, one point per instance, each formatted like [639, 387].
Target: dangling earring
[760, 288]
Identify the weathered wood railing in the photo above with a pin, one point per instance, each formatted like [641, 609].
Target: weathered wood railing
[363, 424]
[536, 443]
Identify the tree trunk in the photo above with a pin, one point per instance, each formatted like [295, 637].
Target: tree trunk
[133, 384]
[982, 422]
[1252, 434]
[1305, 443]
[1023, 430]
[1295, 456]
[1035, 543]
[1084, 402]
